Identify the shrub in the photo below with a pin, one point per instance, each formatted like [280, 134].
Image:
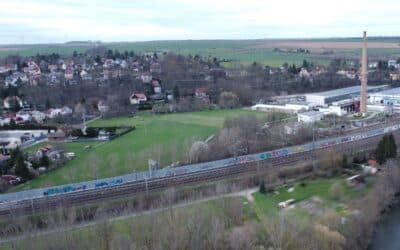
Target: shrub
[336, 191]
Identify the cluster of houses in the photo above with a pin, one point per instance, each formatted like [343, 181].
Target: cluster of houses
[54, 157]
[24, 114]
[74, 70]
[392, 65]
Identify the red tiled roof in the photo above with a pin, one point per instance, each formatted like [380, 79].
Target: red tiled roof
[201, 90]
[139, 95]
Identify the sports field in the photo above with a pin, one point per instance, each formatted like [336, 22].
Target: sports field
[164, 138]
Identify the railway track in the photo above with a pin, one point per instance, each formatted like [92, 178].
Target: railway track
[49, 203]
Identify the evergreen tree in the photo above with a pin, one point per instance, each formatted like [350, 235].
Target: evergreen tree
[20, 167]
[380, 151]
[263, 190]
[344, 161]
[44, 161]
[176, 93]
[305, 64]
[386, 148]
[13, 124]
[48, 104]
[393, 146]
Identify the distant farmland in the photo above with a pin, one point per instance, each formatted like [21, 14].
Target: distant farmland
[241, 51]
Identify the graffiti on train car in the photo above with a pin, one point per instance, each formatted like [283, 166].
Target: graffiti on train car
[244, 159]
[281, 152]
[66, 189]
[345, 139]
[298, 149]
[234, 160]
[108, 183]
[265, 156]
[358, 137]
[392, 128]
[327, 144]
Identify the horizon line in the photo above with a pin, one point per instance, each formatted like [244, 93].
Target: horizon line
[211, 39]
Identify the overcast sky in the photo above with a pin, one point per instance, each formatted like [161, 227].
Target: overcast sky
[44, 21]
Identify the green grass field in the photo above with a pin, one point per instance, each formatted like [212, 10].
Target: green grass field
[165, 138]
[242, 51]
[268, 203]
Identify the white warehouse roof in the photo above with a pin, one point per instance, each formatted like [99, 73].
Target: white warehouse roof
[388, 92]
[326, 97]
[346, 91]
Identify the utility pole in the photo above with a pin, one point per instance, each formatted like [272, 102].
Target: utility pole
[313, 147]
[147, 187]
[32, 207]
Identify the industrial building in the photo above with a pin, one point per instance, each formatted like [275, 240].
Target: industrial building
[389, 96]
[328, 97]
[310, 116]
[288, 107]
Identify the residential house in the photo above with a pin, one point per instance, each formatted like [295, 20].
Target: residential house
[107, 73]
[21, 76]
[394, 76]
[156, 86]
[58, 136]
[69, 74]
[102, 106]
[52, 67]
[22, 117]
[135, 65]
[4, 121]
[146, 78]
[11, 81]
[108, 63]
[5, 69]
[155, 68]
[373, 65]
[52, 113]
[201, 92]
[123, 64]
[170, 95]
[137, 98]
[350, 74]
[38, 116]
[318, 70]
[33, 71]
[11, 102]
[236, 73]
[85, 75]
[53, 78]
[392, 63]
[304, 73]
[116, 73]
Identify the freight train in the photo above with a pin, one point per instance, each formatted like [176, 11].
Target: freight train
[193, 168]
